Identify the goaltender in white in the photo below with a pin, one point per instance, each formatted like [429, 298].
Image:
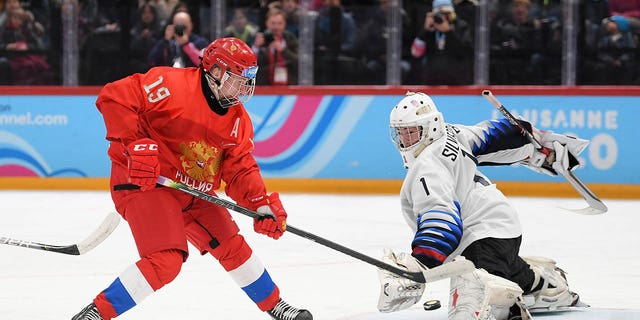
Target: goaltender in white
[456, 212]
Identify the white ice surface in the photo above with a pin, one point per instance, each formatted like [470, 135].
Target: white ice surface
[600, 253]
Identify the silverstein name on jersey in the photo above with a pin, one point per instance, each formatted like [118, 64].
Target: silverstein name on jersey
[193, 183]
[451, 146]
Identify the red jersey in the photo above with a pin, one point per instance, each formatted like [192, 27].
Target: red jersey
[197, 146]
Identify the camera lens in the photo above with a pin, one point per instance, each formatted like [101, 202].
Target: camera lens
[438, 18]
[268, 37]
[179, 29]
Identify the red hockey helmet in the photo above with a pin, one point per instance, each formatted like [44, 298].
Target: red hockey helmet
[238, 66]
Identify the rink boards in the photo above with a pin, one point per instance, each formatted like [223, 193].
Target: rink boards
[328, 139]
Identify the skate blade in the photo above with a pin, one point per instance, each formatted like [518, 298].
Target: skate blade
[578, 306]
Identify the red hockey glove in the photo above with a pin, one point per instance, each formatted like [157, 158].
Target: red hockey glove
[270, 206]
[143, 164]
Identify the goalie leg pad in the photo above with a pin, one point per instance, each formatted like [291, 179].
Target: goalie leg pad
[397, 293]
[479, 295]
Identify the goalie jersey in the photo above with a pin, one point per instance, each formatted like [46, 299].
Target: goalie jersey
[448, 202]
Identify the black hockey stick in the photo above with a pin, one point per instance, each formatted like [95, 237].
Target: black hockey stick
[596, 206]
[444, 271]
[104, 230]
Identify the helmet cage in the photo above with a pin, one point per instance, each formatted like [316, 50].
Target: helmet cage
[233, 88]
[404, 137]
[414, 124]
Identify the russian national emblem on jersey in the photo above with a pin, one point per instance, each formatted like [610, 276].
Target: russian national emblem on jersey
[200, 161]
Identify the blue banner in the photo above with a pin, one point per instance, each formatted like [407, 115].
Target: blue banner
[348, 136]
[323, 136]
[52, 136]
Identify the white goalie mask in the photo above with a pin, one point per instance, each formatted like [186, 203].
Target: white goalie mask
[415, 123]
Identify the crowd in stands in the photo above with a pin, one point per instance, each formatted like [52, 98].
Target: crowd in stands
[117, 38]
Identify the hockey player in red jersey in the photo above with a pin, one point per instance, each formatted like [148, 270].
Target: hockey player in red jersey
[188, 124]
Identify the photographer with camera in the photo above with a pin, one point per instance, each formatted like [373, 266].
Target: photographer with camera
[277, 51]
[443, 49]
[180, 47]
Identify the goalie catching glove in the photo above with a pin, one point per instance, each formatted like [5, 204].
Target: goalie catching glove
[273, 220]
[398, 293]
[561, 152]
[143, 166]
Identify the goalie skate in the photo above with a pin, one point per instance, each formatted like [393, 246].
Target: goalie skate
[554, 294]
[576, 306]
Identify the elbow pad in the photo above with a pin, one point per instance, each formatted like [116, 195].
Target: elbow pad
[439, 233]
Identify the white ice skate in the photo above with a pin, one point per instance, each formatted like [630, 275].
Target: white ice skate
[554, 294]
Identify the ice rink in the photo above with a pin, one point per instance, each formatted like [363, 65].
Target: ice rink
[600, 253]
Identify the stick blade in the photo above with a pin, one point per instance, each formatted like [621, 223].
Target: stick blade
[108, 225]
[594, 208]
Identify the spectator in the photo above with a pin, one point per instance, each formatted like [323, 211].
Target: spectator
[25, 62]
[263, 7]
[292, 13]
[8, 6]
[240, 27]
[104, 50]
[163, 7]
[144, 35]
[335, 41]
[180, 47]
[499, 9]
[277, 52]
[416, 11]
[616, 56]
[178, 7]
[546, 59]
[466, 10]
[546, 9]
[443, 50]
[372, 44]
[40, 9]
[513, 41]
[30, 18]
[594, 12]
[630, 9]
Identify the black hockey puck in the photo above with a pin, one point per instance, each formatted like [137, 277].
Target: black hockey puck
[432, 305]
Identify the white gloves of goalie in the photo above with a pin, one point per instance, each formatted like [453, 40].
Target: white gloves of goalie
[398, 293]
[564, 151]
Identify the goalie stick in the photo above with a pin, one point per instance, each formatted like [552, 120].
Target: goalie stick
[94, 239]
[596, 206]
[444, 271]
